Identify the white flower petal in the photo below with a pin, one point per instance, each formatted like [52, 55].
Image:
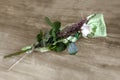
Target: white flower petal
[85, 29]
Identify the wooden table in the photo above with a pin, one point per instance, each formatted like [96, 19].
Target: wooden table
[97, 59]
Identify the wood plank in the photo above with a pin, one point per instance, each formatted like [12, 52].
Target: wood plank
[97, 59]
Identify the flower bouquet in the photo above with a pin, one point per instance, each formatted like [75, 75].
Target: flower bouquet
[58, 39]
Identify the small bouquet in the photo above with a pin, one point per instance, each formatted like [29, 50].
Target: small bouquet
[58, 39]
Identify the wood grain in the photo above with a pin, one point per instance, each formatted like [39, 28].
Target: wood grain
[97, 59]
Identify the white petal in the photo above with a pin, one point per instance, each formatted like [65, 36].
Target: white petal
[85, 30]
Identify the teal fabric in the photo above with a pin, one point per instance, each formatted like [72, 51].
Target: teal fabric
[97, 25]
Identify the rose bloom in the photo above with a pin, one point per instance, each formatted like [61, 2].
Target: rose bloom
[85, 29]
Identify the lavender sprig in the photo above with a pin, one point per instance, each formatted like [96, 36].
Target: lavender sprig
[71, 29]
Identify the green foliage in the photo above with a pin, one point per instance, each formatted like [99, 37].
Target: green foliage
[78, 35]
[57, 25]
[58, 47]
[55, 28]
[47, 40]
[39, 36]
[48, 21]
[47, 36]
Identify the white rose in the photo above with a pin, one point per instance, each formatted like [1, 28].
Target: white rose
[85, 29]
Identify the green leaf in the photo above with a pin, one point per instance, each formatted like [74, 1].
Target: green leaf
[52, 47]
[49, 22]
[55, 28]
[50, 40]
[57, 25]
[78, 35]
[39, 36]
[50, 32]
[47, 36]
[72, 48]
[54, 35]
[58, 47]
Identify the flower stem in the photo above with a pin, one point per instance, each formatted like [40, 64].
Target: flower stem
[16, 53]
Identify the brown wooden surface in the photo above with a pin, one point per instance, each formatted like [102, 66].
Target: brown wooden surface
[97, 59]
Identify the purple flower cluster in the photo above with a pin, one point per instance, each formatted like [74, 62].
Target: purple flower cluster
[71, 29]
